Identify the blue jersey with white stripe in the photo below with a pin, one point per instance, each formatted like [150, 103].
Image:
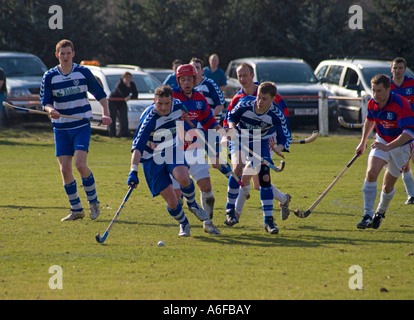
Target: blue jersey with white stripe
[154, 129]
[210, 90]
[68, 95]
[273, 120]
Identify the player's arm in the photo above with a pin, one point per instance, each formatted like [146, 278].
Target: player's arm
[106, 118]
[402, 139]
[133, 175]
[367, 129]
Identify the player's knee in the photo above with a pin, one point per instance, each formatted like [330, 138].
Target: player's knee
[264, 177]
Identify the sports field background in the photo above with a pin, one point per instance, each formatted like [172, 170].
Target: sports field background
[309, 258]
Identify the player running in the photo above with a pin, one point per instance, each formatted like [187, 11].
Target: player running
[404, 86]
[64, 92]
[156, 146]
[215, 99]
[199, 113]
[257, 114]
[393, 120]
[245, 75]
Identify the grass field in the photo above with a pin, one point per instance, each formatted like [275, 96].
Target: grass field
[309, 258]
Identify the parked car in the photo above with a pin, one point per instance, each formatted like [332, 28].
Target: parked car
[108, 77]
[351, 78]
[159, 73]
[24, 72]
[293, 78]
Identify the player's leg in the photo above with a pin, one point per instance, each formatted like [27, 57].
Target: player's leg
[70, 186]
[81, 147]
[181, 174]
[176, 211]
[369, 189]
[233, 188]
[391, 175]
[407, 177]
[266, 199]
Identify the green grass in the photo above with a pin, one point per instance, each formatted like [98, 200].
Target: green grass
[308, 259]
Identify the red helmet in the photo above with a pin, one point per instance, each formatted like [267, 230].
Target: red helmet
[186, 70]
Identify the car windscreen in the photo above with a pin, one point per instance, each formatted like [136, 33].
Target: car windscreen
[285, 73]
[22, 66]
[144, 83]
[369, 73]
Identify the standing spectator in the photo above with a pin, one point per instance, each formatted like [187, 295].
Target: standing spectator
[124, 89]
[172, 79]
[3, 93]
[215, 73]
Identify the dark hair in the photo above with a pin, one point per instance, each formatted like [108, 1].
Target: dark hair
[381, 79]
[267, 87]
[400, 60]
[126, 73]
[163, 91]
[197, 60]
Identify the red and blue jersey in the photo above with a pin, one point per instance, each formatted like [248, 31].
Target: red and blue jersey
[406, 89]
[393, 119]
[199, 111]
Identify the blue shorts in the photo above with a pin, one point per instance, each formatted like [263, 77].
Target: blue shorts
[158, 176]
[68, 141]
[264, 150]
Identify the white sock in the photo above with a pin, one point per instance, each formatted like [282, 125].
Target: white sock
[369, 191]
[241, 198]
[385, 200]
[279, 196]
[408, 180]
[204, 196]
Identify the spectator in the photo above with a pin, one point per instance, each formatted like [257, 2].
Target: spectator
[215, 73]
[124, 89]
[172, 79]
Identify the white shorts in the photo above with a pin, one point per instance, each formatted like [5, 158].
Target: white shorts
[198, 166]
[396, 159]
[197, 163]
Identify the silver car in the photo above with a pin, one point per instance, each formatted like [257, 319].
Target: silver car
[351, 78]
[108, 77]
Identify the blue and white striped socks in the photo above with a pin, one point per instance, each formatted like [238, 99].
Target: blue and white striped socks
[232, 193]
[73, 196]
[89, 187]
[189, 193]
[266, 199]
[178, 214]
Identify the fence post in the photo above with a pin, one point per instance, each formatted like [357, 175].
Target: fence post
[323, 114]
[364, 111]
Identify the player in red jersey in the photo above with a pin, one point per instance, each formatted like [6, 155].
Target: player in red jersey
[404, 86]
[199, 112]
[393, 119]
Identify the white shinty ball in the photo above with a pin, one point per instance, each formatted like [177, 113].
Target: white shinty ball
[161, 243]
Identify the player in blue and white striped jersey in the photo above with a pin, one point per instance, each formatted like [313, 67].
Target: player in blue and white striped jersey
[257, 119]
[64, 92]
[157, 145]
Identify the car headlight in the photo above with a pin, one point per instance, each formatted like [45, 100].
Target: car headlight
[18, 93]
